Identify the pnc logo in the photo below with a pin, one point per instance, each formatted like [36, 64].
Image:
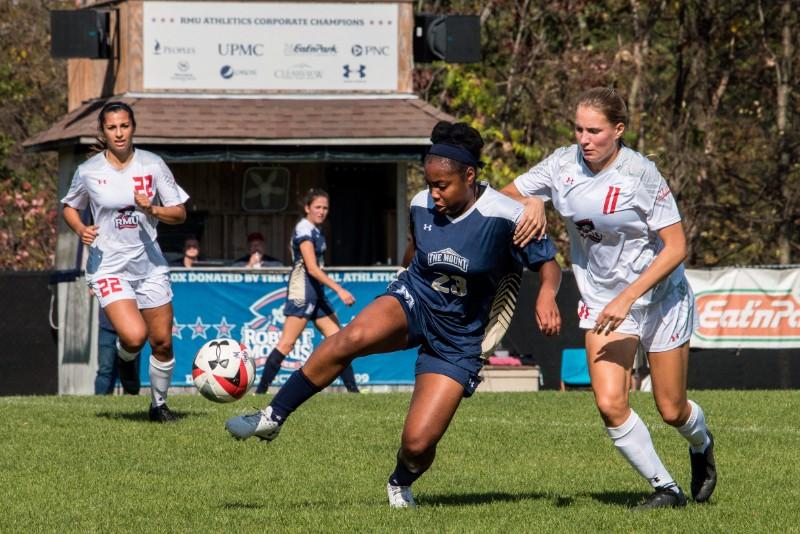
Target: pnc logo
[747, 315]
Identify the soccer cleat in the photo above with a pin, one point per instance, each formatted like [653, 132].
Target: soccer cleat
[663, 498]
[162, 414]
[704, 472]
[400, 496]
[259, 424]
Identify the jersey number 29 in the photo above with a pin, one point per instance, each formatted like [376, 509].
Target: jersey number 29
[456, 285]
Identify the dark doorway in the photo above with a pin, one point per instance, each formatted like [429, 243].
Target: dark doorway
[362, 212]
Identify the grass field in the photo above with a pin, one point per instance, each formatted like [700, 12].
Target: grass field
[510, 462]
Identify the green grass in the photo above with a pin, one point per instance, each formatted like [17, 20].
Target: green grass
[510, 462]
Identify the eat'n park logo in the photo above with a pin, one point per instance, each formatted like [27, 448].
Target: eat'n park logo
[748, 315]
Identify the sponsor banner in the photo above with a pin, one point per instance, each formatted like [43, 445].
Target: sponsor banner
[747, 308]
[248, 307]
[270, 46]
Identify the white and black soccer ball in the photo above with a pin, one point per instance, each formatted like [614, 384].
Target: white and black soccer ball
[223, 370]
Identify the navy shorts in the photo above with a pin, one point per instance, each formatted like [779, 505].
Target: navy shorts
[463, 369]
[309, 309]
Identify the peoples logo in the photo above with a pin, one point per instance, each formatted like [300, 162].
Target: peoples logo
[369, 50]
[166, 50]
[748, 316]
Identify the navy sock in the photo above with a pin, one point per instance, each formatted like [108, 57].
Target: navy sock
[403, 476]
[270, 370]
[292, 394]
[349, 378]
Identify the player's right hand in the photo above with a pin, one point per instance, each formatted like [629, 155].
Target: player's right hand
[89, 234]
[346, 297]
[532, 223]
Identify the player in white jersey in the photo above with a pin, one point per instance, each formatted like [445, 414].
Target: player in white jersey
[627, 246]
[129, 191]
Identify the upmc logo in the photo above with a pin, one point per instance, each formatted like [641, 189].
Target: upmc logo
[748, 316]
[239, 49]
[369, 50]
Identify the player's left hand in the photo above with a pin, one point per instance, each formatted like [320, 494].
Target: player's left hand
[532, 224]
[547, 315]
[143, 203]
[346, 297]
[612, 315]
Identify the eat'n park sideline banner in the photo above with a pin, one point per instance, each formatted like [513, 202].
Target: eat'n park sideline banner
[747, 308]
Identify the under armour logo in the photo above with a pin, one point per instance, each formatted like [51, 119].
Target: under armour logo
[569, 180]
[427, 227]
[361, 70]
[102, 181]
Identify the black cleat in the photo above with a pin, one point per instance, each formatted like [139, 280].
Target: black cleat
[663, 498]
[704, 472]
[162, 414]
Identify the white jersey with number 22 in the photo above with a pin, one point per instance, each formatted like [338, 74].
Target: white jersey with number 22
[126, 244]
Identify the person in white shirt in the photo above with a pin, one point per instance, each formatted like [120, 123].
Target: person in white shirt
[129, 191]
[627, 247]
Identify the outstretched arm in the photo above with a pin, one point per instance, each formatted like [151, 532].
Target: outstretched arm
[166, 214]
[547, 315]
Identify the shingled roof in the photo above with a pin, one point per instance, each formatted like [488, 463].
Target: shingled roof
[182, 120]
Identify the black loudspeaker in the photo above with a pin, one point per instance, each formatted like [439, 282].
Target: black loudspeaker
[450, 38]
[79, 33]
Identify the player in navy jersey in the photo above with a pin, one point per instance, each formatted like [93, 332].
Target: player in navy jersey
[453, 302]
[305, 299]
[627, 246]
[129, 191]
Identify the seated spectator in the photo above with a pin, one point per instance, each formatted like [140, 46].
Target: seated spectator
[191, 253]
[255, 256]
[110, 366]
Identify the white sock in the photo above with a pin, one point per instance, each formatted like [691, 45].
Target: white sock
[160, 378]
[124, 354]
[632, 439]
[695, 430]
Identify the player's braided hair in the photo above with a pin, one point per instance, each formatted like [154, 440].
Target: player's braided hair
[461, 134]
[110, 107]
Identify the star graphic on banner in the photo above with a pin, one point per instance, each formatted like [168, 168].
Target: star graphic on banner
[224, 328]
[177, 328]
[199, 329]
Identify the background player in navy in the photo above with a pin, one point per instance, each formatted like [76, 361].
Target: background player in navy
[306, 298]
[452, 302]
[627, 247]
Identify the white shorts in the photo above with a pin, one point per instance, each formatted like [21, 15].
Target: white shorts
[661, 326]
[148, 293]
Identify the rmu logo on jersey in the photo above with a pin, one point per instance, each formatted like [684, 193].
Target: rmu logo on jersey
[126, 218]
[448, 256]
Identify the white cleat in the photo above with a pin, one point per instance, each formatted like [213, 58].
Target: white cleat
[400, 496]
[259, 424]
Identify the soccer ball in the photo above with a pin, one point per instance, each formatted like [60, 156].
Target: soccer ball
[223, 371]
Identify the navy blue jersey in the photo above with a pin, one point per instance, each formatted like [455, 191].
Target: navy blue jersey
[304, 289]
[459, 265]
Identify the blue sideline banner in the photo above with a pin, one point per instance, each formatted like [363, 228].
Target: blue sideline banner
[248, 307]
